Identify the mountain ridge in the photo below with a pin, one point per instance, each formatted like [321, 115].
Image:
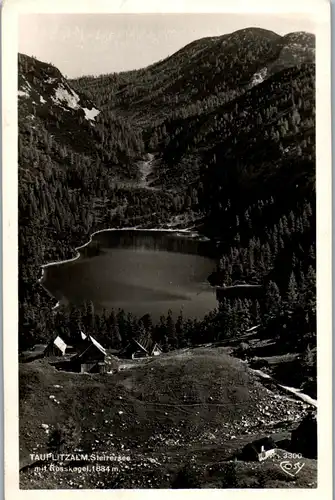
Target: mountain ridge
[244, 54]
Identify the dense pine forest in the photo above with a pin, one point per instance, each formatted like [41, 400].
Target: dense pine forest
[231, 123]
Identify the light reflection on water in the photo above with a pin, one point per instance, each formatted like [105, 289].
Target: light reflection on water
[140, 272]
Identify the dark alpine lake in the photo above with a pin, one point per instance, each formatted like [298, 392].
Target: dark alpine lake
[138, 271]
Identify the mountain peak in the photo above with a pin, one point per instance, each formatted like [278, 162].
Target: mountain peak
[42, 84]
[303, 37]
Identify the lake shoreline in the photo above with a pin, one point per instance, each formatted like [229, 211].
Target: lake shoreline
[189, 233]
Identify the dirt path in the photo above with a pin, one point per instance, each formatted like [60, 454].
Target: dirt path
[292, 390]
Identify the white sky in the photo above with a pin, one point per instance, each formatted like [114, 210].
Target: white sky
[82, 44]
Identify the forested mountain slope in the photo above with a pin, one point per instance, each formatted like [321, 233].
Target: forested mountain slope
[251, 163]
[272, 120]
[70, 165]
[200, 76]
[230, 121]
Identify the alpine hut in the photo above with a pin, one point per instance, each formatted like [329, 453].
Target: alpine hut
[140, 348]
[259, 449]
[91, 358]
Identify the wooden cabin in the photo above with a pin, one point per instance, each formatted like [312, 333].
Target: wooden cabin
[156, 350]
[91, 359]
[87, 356]
[134, 350]
[137, 349]
[259, 449]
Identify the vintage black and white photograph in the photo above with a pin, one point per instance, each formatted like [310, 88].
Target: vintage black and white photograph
[167, 330]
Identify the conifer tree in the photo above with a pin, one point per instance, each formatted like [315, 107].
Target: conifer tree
[292, 292]
[273, 299]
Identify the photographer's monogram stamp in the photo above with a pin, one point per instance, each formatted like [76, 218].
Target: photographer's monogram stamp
[292, 469]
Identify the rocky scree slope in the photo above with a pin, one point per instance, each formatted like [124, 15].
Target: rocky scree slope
[161, 410]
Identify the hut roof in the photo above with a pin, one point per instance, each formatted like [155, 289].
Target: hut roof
[99, 346]
[60, 344]
[95, 343]
[141, 346]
